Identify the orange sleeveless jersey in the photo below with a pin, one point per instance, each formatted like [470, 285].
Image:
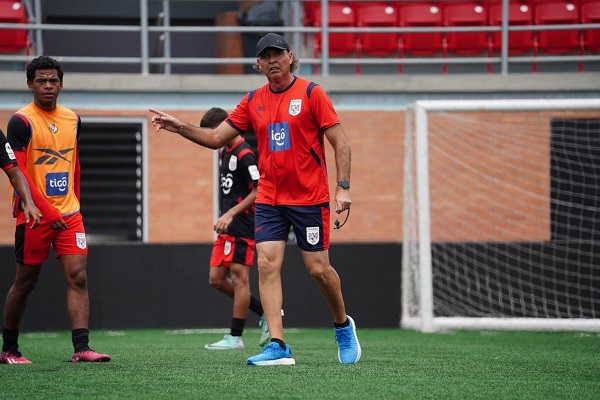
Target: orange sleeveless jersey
[52, 154]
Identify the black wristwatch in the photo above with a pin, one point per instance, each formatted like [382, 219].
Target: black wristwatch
[344, 184]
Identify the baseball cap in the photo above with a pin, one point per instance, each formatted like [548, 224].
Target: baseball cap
[271, 40]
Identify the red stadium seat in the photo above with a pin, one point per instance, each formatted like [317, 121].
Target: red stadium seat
[423, 14]
[556, 13]
[590, 14]
[466, 14]
[369, 15]
[13, 40]
[340, 15]
[376, 15]
[518, 14]
[557, 41]
[340, 44]
[309, 12]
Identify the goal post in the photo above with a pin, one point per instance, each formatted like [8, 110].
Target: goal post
[501, 219]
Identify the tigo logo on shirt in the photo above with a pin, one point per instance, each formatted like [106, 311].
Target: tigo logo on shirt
[279, 136]
[57, 183]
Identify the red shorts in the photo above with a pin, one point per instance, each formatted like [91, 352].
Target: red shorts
[32, 246]
[232, 249]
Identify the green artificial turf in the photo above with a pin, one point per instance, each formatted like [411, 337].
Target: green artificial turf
[395, 364]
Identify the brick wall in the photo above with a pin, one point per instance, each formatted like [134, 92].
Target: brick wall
[180, 175]
[228, 44]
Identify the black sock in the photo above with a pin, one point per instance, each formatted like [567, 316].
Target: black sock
[280, 342]
[345, 324]
[256, 306]
[10, 339]
[237, 326]
[81, 338]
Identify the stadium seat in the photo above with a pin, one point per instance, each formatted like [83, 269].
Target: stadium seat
[421, 15]
[557, 41]
[519, 13]
[309, 12]
[340, 15]
[13, 40]
[590, 14]
[466, 14]
[370, 15]
[556, 13]
[375, 15]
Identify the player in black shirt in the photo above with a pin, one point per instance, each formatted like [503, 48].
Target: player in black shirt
[233, 250]
[8, 163]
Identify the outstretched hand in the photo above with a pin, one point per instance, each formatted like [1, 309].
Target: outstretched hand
[162, 120]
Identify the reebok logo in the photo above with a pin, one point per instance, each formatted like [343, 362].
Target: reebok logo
[51, 156]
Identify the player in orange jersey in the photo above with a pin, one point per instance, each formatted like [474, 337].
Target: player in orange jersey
[44, 137]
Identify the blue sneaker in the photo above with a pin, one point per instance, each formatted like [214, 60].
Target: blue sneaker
[348, 346]
[273, 354]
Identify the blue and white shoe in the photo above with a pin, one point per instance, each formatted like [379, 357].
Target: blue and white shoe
[273, 354]
[227, 343]
[348, 346]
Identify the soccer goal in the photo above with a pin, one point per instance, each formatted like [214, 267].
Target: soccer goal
[501, 221]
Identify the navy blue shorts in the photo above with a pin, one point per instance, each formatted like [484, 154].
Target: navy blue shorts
[311, 225]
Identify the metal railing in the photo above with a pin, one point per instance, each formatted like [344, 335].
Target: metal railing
[294, 27]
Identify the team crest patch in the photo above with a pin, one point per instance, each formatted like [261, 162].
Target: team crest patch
[227, 248]
[53, 128]
[295, 107]
[254, 174]
[80, 239]
[312, 234]
[233, 163]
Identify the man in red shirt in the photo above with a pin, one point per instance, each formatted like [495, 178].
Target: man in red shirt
[290, 116]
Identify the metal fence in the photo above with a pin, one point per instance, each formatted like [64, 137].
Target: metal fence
[292, 13]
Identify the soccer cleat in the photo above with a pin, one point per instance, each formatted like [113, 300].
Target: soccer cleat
[265, 337]
[227, 343]
[273, 354]
[89, 356]
[348, 346]
[7, 357]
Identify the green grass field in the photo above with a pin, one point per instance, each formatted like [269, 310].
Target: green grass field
[396, 364]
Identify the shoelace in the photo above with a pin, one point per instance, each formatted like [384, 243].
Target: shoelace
[343, 339]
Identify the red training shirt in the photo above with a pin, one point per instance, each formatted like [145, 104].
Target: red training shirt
[289, 128]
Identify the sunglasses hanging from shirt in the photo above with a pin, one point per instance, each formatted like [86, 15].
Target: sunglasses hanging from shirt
[337, 221]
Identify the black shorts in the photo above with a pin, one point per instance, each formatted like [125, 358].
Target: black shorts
[311, 225]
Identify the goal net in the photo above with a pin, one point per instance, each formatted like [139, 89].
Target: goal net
[501, 222]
